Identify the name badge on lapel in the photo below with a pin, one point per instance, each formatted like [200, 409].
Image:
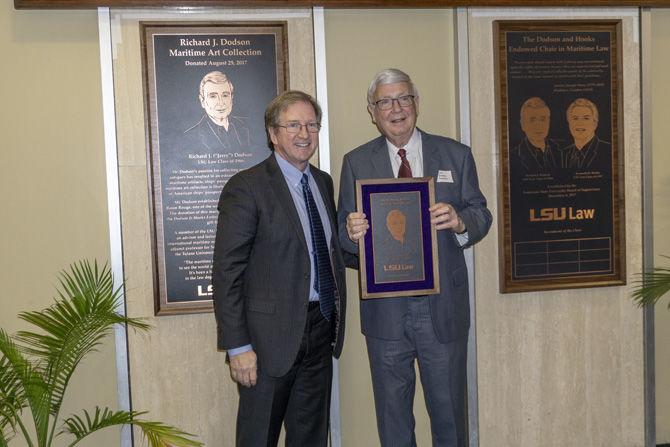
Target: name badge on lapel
[445, 176]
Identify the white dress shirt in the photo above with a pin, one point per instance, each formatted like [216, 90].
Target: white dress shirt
[414, 155]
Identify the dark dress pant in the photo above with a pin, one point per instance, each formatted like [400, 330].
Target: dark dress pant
[300, 399]
[442, 369]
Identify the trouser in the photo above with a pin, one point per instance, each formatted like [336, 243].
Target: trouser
[300, 399]
[442, 369]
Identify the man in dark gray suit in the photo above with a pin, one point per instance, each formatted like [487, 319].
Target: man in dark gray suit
[429, 329]
[279, 283]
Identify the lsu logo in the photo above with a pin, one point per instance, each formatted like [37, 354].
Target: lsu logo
[563, 213]
[209, 291]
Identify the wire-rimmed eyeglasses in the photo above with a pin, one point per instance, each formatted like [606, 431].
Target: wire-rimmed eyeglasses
[295, 127]
[387, 103]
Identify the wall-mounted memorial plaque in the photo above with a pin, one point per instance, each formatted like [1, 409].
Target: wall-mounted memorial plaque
[561, 218]
[206, 89]
[398, 255]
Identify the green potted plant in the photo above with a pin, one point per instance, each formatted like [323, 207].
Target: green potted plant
[652, 286]
[36, 366]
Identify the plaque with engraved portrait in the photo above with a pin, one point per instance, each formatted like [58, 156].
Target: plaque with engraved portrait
[206, 89]
[398, 255]
[561, 168]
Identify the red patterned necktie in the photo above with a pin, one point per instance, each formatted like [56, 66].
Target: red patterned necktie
[405, 169]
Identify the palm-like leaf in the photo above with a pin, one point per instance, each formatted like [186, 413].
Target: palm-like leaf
[36, 367]
[74, 326]
[652, 286]
[12, 399]
[161, 435]
[4, 440]
[82, 427]
[157, 433]
[34, 390]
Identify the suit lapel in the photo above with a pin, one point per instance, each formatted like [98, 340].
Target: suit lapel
[381, 160]
[280, 190]
[431, 161]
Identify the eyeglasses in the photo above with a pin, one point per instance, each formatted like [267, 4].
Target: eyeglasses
[387, 103]
[294, 127]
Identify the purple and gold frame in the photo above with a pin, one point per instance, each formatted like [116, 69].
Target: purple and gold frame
[398, 255]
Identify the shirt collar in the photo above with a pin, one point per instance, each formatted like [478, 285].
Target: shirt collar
[581, 153]
[412, 146]
[291, 173]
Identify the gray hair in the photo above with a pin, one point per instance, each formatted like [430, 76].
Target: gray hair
[215, 77]
[281, 103]
[390, 76]
[582, 102]
[533, 103]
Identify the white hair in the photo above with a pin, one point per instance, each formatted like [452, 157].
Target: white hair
[390, 76]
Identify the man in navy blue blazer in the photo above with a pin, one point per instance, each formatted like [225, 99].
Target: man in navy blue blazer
[431, 330]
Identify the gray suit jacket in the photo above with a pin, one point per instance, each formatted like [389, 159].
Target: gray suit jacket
[450, 310]
[261, 273]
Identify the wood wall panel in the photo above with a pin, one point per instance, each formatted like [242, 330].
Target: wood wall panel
[83, 4]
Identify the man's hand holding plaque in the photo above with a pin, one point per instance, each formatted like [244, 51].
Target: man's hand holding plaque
[444, 217]
[357, 226]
